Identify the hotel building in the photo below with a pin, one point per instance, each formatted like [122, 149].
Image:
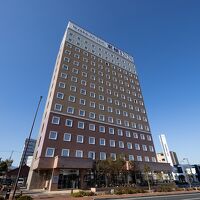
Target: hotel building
[94, 110]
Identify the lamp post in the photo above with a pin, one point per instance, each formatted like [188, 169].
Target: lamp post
[26, 147]
[190, 171]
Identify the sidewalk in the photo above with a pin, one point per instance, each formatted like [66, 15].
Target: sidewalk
[65, 195]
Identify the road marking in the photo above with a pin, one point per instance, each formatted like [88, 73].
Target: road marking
[163, 196]
[191, 199]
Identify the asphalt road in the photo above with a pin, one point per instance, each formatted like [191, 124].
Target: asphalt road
[193, 196]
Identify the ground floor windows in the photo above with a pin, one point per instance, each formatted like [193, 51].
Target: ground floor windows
[68, 178]
[77, 178]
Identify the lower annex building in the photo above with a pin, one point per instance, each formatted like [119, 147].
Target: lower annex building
[94, 111]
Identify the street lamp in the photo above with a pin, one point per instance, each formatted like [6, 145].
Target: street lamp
[26, 147]
[190, 170]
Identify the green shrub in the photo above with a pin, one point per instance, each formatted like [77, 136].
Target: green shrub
[128, 190]
[140, 190]
[82, 194]
[25, 197]
[189, 189]
[180, 189]
[119, 191]
[76, 194]
[166, 188]
[17, 196]
[131, 191]
[91, 194]
[1, 198]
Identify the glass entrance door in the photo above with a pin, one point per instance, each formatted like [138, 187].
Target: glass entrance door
[68, 179]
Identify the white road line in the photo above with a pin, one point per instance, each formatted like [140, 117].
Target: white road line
[151, 197]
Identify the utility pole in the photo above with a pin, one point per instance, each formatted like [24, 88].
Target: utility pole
[23, 156]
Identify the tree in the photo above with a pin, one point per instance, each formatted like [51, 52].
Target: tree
[133, 169]
[4, 166]
[110, 168]
[160, 176]
[147, 170]
[118, 167]
[103, 167]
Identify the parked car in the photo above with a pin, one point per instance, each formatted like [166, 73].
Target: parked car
[20, 182]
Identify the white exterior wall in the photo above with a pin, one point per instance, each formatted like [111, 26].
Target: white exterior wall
[165, 148]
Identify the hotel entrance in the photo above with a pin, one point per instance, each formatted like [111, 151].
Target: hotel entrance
[68, 178]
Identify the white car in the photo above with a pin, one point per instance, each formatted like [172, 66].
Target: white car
[20, 182]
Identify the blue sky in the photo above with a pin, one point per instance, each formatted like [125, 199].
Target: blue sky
[163, 36]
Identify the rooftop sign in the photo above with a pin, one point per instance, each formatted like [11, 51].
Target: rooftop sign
[99, 41]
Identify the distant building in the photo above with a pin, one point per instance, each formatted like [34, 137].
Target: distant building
[161, 158]
[197, 168]
[165, 148]
[30, 149]
[174, 158]
[14, 172]
[187, 173]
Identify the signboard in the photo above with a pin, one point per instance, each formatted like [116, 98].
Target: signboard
[99, 41]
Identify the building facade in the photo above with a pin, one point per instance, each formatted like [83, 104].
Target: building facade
[161, 158]
[29, 151]
[186, 173]
[94, 111]
[174, 158]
